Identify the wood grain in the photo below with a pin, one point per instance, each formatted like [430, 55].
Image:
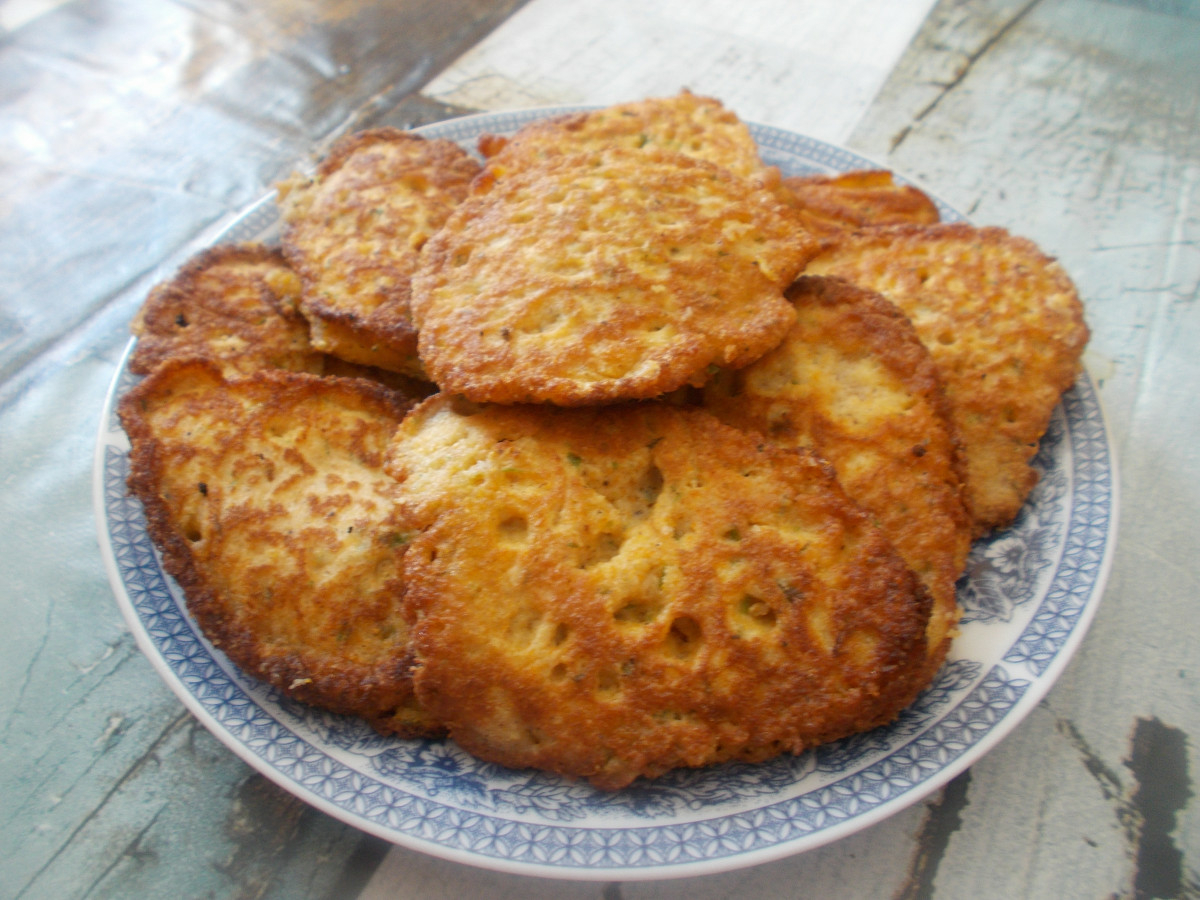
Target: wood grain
[146, 129]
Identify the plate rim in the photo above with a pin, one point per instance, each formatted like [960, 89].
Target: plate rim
[1044, 682]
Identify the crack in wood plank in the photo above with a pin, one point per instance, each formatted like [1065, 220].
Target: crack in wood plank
[129, 773]
[1147, 809]
[960, 76]
[27, 675]
[943, 819]
[131, 851]
[105, 742]
[1108, 779]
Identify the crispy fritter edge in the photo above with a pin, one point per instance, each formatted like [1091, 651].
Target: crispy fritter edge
[177, 559]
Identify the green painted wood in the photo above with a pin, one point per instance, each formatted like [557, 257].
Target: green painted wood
[125, 134]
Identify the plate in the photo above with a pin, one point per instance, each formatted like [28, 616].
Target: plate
[1028, 596]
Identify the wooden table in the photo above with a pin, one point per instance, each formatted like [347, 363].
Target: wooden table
[132, 133]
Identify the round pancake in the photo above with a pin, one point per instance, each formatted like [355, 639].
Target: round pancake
[608, 593]
[619, 274]
[1005, 326]
[354, 231]
[853, 382]
[686, 123]
[268, 500]
[233, 304]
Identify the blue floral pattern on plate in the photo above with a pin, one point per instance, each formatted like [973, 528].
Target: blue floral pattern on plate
[1028, 595]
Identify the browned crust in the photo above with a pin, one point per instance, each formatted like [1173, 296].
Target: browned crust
[599, 694]
[735, 606]
[1005, 326]
[686, 123]
[407, 386]
[853, 382]
[189, 428]
[354, 232]
[831, 204]
[606, 276]
[234, 304]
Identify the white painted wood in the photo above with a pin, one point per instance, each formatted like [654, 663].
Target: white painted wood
[1075, 123]
[809, 66]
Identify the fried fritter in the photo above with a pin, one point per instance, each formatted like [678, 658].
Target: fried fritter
[354, 231]
[614, 592]
[686, 123]
[268, 500]
[618, 274]
[853, 382]
[233, 304]
[831, 204]
[1005, 326]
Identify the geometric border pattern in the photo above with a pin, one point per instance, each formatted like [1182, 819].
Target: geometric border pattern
[1087, 544]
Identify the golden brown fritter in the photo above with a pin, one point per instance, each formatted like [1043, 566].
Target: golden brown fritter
[618, 274]
[614, 592]
[685, 123]
[233, 304]
[353, 233]
[853, 382]
[268, 500]
[1004, 325]
[831, 204]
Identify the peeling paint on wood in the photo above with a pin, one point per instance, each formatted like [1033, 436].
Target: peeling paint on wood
[1159, 763]
[943, 819]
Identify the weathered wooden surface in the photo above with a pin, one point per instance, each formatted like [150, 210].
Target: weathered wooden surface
[1078, 124]
[810, 67]
[128, 133]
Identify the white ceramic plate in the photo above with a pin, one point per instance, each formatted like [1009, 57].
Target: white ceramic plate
[1028, 596]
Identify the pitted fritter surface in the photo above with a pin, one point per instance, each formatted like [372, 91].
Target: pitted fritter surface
[268, 500]
[233, 304]
[1004, 325]
[619, 274]
[615, 592]
[354, 231]
[685, 123]
[831, 204]
[853, 382]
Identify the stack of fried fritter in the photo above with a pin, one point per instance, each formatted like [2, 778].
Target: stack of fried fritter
[852, 381]
[701, 458]
[354, 232]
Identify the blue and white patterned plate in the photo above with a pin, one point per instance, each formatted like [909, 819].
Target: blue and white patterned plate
[1028, 596]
